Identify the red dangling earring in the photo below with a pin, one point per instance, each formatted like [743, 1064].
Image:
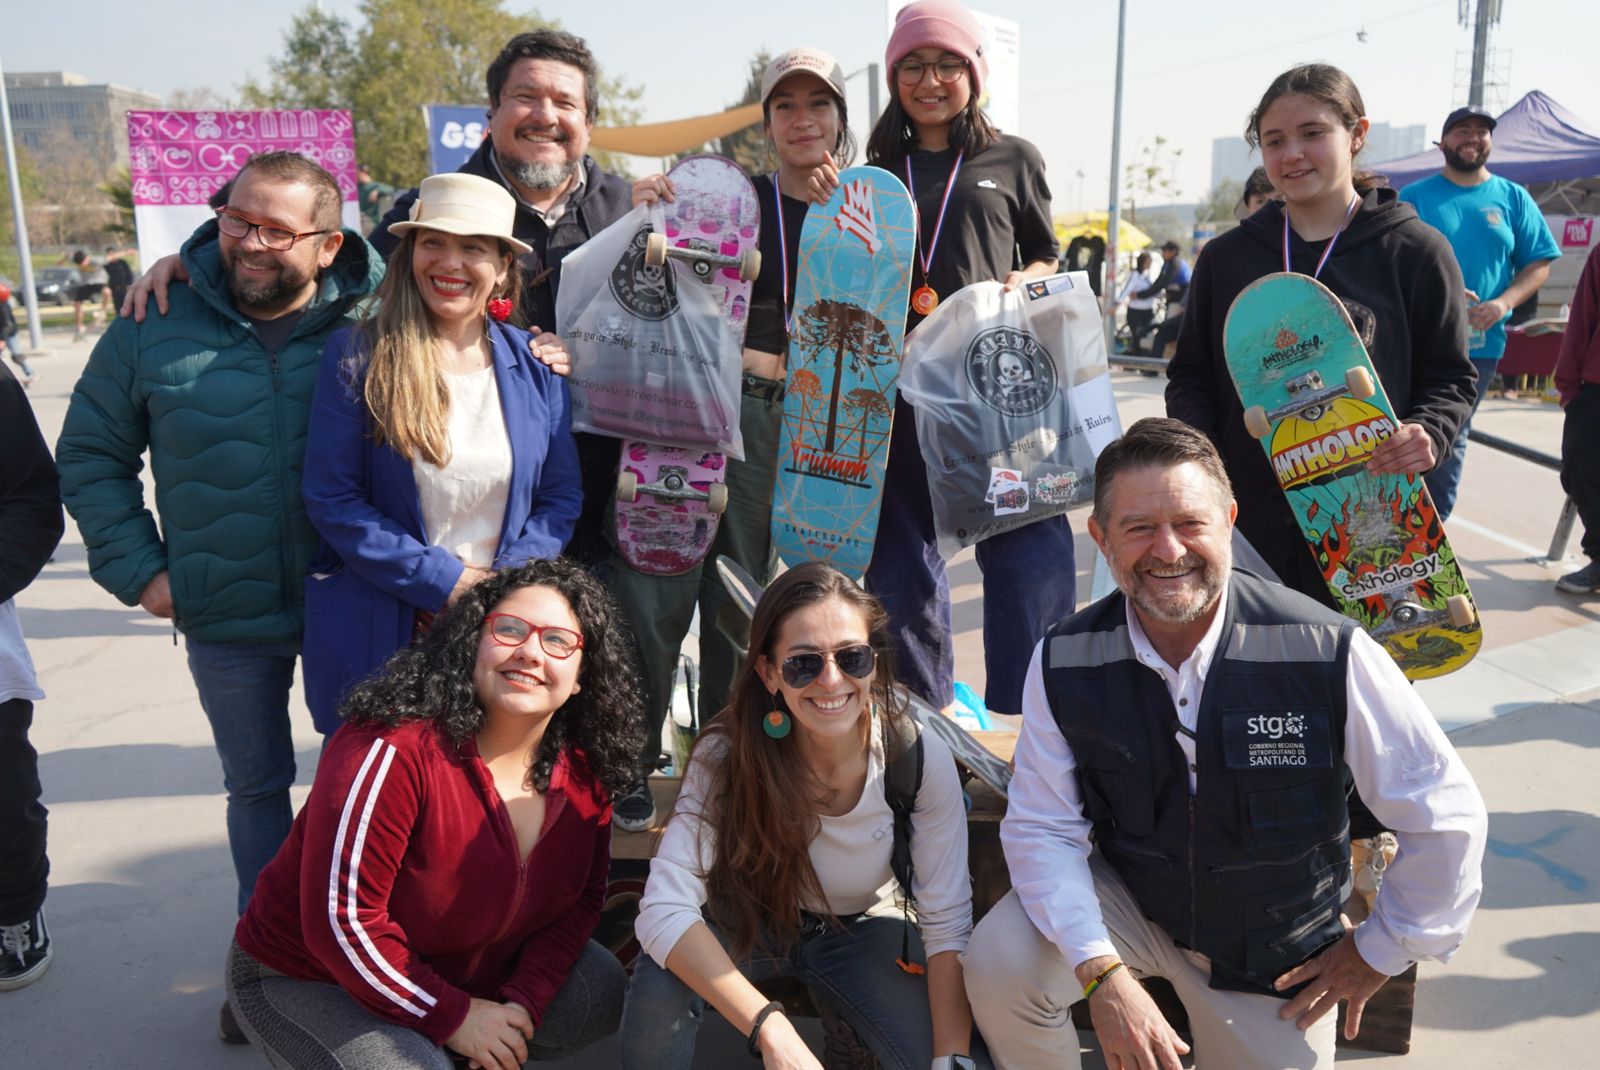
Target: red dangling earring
[500, 308]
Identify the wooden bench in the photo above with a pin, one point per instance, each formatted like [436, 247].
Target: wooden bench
[1385, 1026]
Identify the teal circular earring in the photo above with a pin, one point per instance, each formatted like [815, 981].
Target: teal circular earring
[776, 723]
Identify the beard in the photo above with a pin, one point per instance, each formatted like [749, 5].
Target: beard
[535, 176]
[267, 295]
[1182, 605]
[1456, 162]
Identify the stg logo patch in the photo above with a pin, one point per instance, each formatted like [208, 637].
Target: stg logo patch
[1275, 739]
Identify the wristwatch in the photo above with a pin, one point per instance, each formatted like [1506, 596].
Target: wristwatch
[954, 1062]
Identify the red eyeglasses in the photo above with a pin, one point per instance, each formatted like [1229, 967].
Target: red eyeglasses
[507, 630]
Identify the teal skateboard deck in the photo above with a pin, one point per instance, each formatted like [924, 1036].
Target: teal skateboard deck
[1313, 401]
[850, 297]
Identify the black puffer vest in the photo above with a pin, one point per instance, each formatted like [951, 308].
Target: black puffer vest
[1251, 870]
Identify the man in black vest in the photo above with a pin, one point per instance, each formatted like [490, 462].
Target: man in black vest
[1179, 802]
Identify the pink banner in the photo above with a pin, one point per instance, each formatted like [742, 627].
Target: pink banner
[183, 157]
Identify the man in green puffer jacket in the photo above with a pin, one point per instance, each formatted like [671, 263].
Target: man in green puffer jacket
[219, 392]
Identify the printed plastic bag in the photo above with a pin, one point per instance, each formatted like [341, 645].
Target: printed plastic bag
[1014, 403]
[651, 356]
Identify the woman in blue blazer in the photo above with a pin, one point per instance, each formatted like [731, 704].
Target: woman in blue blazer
[440, 448]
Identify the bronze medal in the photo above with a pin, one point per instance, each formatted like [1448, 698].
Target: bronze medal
[924, 300]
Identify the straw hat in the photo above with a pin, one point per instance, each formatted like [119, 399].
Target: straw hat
[466, 205]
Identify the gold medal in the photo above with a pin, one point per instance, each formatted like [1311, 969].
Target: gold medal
[924, 300]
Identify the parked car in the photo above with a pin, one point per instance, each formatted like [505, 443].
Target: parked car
[53, 285]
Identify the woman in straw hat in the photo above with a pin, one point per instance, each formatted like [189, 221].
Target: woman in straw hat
[439, 448]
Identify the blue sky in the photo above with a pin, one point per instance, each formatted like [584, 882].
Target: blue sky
[1195, 69]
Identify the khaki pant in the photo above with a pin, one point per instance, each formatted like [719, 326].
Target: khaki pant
[1021, 988]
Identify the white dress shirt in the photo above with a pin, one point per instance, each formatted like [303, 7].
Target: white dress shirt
[1407, 772]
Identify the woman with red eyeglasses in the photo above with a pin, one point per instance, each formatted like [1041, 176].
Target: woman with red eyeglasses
[437, 892]
[779, 860]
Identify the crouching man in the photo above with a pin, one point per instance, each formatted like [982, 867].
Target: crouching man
[1179, 803]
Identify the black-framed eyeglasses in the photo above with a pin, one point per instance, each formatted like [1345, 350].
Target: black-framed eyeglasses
[236, 225]
[947, 70]
[858, 661]
[558, 642]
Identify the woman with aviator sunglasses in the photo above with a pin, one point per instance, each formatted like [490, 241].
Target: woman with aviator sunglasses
[440, 886]
[777, 861]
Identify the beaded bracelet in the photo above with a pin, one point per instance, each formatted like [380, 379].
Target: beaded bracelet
[1089, 989]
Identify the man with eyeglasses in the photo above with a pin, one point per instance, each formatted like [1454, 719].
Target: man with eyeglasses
[218, 391]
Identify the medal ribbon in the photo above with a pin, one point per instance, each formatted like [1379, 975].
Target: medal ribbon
[1355, 199]
[938, 226]
[783, 256]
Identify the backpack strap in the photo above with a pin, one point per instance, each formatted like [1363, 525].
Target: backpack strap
[901, 781]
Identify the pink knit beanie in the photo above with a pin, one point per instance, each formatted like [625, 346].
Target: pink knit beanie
[938, 24]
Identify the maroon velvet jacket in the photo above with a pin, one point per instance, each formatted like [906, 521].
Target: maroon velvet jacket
[401, 881]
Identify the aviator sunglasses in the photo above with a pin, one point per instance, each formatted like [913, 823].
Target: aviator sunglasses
[800, 669]
[559, 643]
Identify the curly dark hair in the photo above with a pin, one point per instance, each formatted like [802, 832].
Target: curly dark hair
[432, 679]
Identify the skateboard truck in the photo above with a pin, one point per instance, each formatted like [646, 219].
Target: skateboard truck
[672, 485]
[1309, 398]
[702, 261]
[1407, 613]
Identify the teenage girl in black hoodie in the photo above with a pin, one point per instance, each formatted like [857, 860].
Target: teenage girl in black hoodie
[1395, 274]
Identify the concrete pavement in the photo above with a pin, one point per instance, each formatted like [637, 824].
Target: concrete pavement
[142, 889]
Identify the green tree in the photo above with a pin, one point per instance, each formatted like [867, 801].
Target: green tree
[120, 190]
[1150, 176]
[316, 69]
[1219, 204]
[402, 56]
[748, 147]
[32, 187]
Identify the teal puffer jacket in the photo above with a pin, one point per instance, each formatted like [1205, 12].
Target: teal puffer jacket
[225, 426]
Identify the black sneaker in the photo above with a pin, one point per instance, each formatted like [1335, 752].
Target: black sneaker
[635, 811]
[1584, 581]
[228, 1027]
[24, 952]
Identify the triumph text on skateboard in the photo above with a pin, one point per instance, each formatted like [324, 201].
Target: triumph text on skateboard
[1311, 398]
[844, 362]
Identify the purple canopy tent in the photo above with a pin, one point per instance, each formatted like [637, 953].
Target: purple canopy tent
[1538, 143]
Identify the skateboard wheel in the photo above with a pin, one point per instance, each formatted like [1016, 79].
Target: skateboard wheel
[1462, 611]
[717, 498]
[1256, 422]
[749, 265]
[655, 249]
[627, 487]
[1359, 382]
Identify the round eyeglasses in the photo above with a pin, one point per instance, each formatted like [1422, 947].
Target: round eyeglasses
[858, 661]
[947, 70]
[559, 643]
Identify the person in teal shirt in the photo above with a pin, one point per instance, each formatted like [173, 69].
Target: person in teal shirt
[1504, 248]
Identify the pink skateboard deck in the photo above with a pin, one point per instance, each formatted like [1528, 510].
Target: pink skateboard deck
[669, 498]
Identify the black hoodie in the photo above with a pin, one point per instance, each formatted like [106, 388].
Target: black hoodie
[1399, 280]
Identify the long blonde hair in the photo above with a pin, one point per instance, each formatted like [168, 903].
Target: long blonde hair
[406, 390]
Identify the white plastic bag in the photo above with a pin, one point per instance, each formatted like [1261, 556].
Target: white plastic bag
[1014, 403]
[651, 356]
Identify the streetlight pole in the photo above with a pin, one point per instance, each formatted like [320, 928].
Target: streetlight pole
[30, 299]
[1114, 212]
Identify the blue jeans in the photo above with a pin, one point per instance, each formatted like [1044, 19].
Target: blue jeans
[244, 689]
[852, 972]
[1029, 583]
[1445, 480]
